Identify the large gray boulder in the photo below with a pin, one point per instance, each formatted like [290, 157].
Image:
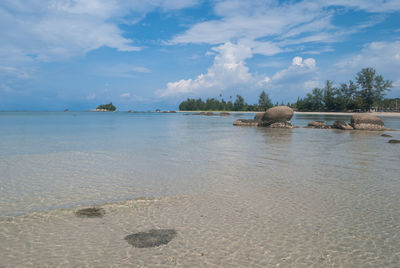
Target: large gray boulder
[276, 117]
[361, 121]
[278, 114]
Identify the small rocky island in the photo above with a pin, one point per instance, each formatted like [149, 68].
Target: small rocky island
[105, 108]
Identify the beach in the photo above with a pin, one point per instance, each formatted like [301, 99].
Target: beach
[234, 196]
[393, 114]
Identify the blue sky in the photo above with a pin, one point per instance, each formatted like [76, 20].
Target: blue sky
[144, 55]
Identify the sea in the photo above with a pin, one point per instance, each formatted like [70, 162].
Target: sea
[297, 197]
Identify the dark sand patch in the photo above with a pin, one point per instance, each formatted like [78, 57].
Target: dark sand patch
[152, 238]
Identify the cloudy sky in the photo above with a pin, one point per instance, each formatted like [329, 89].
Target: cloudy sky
[75, 54]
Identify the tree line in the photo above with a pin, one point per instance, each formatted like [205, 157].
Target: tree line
[212, 104]
[365, 92]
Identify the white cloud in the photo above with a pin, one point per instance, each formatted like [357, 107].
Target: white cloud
[385, 55]
[280, 24]
[56, 29]
[7, 89]
[120, 70]
[141, 69]
[13, 71]
[382, 56]
[298, 67]
[229, 69]
[269, 28]
[369, 6]
[125, 95]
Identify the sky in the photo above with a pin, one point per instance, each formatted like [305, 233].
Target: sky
[147, 55]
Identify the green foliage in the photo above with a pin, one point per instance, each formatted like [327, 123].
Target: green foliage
[361, 95]
[388, 105]
[109, 107]
[264, 102]
[239, 104]
[373, 87]
[215, 105]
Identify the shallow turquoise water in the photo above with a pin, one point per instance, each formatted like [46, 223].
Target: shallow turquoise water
[237, 196]
[60, 160]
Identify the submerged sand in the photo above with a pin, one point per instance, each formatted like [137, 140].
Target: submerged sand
[216, 230]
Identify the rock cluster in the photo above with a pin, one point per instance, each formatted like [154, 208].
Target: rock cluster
[276, 117]
[366, 122]
[317, 124]
[359, 121]
[245, 122]
[342, 125]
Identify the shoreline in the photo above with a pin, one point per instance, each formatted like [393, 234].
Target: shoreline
[391, 114]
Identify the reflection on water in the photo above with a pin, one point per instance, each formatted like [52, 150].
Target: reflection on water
[237, 196]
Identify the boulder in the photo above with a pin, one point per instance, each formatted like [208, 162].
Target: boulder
[341, 125]
[259, 117]
[278, 114]
[394, 141]
[318, 124]
[361, 121]
[245, 122]
[386, 135]
[224, 114]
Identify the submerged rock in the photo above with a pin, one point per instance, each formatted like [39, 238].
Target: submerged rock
[224, 114]
[245, 122]
[152, 238]
[366, 122]
[341, 125]
[394, 141]
[386, 135]
[318, 124]
[205, 113]
[90, 212]
[286, 124]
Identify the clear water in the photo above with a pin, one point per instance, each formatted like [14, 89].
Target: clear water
[343, 185]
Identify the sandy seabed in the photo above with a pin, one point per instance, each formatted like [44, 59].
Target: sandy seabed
[215, 230]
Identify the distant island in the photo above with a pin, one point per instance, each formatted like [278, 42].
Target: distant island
[105, 108]
[366, 93]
